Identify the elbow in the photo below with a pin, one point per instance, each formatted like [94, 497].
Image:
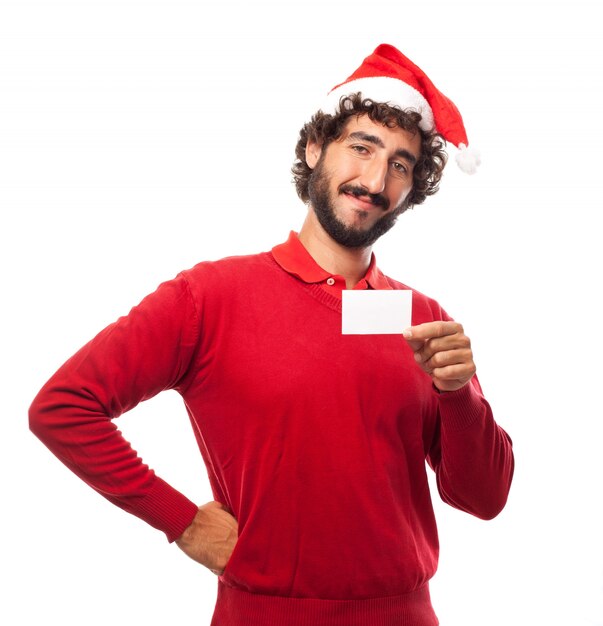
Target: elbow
[491, 509]
[37, 421]
[492, 493]
[484, 508]
[484, 501]
[492, 503]
[43, 421]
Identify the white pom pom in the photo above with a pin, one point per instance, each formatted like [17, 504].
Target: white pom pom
[468, 159]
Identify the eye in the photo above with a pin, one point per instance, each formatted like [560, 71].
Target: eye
[399, 169]
[359, 149]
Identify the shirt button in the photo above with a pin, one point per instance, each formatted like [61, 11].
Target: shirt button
[330, 281]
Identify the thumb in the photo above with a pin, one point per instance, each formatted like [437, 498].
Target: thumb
[415, 344]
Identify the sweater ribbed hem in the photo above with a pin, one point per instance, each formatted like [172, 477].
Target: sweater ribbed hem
[241, 608]
[462, 407]
[166, 509]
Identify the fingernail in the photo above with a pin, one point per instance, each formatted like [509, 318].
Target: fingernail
[407, 333]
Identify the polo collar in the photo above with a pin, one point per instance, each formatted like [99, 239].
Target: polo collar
[293, 257]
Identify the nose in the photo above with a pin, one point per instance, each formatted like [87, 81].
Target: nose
[373, 175]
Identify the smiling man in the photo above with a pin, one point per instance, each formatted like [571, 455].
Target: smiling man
[359, 185]
[375, 165]
[316, 443]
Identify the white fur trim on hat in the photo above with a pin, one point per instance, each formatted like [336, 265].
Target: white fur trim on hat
[468, 159]
[387, 90]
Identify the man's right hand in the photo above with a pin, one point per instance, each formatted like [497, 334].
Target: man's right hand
[211, 537]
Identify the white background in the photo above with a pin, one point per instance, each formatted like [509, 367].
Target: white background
[139, 137]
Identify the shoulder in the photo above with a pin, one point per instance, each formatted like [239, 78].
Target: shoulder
[228, 275]
[228, 268]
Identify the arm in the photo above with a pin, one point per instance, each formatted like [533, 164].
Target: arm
[471, 455]
[133, 359]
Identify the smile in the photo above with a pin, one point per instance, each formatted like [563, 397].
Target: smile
[364, 198]
[365, 201]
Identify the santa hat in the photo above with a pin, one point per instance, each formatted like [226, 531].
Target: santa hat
[388, 76]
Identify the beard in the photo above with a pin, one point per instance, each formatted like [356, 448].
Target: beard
[347, 236]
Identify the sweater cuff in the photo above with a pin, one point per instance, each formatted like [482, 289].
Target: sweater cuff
[460, 409]
[166, 509]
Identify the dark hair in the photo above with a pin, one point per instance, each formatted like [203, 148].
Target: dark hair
[325, 128]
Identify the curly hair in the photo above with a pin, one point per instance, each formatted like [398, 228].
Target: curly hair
[324, 128]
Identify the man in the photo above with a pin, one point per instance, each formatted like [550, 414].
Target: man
[315, 441]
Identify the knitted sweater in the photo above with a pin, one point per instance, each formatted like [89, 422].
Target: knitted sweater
[316, 441]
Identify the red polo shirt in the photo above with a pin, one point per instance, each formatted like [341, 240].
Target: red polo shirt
[295, 259]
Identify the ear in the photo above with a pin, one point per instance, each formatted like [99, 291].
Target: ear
[313, 152]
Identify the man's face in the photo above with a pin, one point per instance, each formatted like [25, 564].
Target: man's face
[361, 181]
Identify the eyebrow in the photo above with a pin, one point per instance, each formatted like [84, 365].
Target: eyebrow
[402, 153]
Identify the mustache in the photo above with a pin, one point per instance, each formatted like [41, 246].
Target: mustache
[376, 198]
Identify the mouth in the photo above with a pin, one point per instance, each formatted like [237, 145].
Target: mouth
[364, 199]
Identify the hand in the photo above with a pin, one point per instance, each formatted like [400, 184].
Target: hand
[443, 351]
[211, 537]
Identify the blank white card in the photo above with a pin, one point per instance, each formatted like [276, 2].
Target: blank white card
[375, 312]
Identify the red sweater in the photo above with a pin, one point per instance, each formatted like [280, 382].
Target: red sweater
[316, 441]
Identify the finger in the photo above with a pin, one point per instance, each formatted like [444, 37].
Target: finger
[212, 504]
[447, 358]
[460, 372]
[449, 385]
[443, 344]
[430, 330]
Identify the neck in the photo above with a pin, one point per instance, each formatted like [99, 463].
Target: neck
[351, 263]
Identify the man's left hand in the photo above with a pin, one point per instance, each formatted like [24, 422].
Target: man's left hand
[443, 351]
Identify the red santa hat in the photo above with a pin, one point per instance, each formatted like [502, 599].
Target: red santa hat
[388, 76]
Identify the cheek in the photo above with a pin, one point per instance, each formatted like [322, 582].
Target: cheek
[340, 176]
[400, 194]
[345, 169]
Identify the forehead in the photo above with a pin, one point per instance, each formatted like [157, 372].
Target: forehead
[393, 139]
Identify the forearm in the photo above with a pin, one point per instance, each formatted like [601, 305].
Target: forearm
[475, 460]
[73, 426]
